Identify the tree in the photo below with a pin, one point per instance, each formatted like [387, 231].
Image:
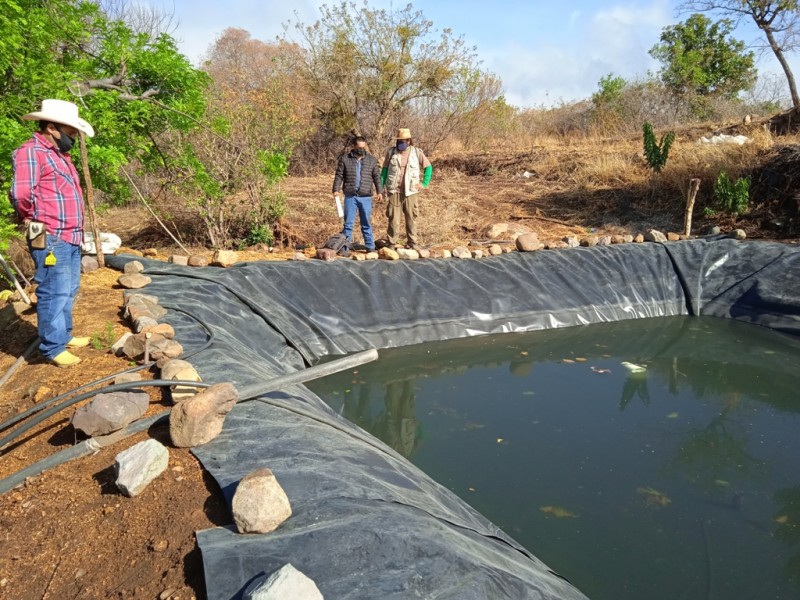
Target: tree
[778, 19]
[700, 58]
[130, 86]
[365, 66]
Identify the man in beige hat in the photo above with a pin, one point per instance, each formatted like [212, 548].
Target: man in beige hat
[46, 193]
[406, 170]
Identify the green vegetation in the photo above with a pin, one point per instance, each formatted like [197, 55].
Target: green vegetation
[656, 152]
[105, 339]
[732, 197]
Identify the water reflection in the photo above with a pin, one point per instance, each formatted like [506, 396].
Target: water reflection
[516, 423]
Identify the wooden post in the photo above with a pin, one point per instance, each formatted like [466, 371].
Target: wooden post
[694, 185]
[87, 178]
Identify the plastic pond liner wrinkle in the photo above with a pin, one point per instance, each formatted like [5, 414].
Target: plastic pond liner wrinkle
[366, 523]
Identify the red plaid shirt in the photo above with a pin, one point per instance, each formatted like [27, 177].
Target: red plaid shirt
[46, 188]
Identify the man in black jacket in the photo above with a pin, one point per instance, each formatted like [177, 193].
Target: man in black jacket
[358, 172]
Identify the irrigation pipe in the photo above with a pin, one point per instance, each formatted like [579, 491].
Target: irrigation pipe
[42, 405]
[91, 445]
[19, 362]
[13, 279]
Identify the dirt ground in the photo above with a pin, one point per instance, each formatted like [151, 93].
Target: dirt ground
[69, 533]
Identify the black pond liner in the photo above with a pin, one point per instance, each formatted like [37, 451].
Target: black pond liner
[366, 523]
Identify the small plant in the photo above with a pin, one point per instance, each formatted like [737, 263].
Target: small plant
[733, 197]
[655, 152]
[260, 234]
[104, 340]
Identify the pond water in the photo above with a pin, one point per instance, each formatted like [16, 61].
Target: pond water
[679, 481]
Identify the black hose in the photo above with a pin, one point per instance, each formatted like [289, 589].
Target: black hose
[42, 405]
[117, 387]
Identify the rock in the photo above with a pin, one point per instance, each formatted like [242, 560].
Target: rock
[298, 256]
[387, 253]
[461, 252]
[508, 249]
[179, 259]
[164, 329]
[224, 258]
[137, 466]
[589, 241]
[407, 253]
[571, 241]
[639, 238]
[684, 237]
[528, 242]
[604, 240]
[116, 348]
[124, 250]
[199, 419]
[673, 237]
[110, 412]
[287, 582]
[150, 252]
[372, 256]
[128, 377]
[493, 232]
[557, 245]
[617, 239]
[424, 253]
[259, 504]
[359, 257]
[164, 348]
[198, 260]
[495, 249]
[138, 297]
[134, 345]
[144, 322]
[477, 254]
[737, 234]
[447, 254]
[627, 238]
[326, 254]
[653, 235]
[184, 371]
[713, 230]
[133, 267]
[89, 264]
[134, 281]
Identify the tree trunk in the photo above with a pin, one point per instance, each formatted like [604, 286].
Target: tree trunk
[785, 65]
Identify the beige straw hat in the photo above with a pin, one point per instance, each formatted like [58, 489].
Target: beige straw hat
[403, 134]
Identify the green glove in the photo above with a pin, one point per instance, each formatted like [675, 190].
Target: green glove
[384, 174]
[426, 176]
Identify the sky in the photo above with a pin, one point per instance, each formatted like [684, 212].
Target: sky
[544, 52]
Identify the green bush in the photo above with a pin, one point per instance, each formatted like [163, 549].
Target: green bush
[260, 234]
[655, 152]
[733, 197]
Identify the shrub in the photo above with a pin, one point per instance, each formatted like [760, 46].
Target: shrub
[733, 197]
[655, 152]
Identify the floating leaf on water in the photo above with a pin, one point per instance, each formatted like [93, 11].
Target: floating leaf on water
[596, 370]
[783, 519]
[499, 440]
[672, 415]
[523, 353]
[722, 482]
[580, 359]
[653, 497]
[568, 361]
[557, 511]
[472, 489]
[469, 426]
[528, 393]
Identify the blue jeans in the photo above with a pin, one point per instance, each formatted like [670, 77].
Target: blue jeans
[58, 286]
[362, 205]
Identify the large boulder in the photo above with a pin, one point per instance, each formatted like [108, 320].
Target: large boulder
[259, 504]
[110, 412]
[199, 419]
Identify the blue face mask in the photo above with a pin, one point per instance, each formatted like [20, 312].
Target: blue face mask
[401, 146]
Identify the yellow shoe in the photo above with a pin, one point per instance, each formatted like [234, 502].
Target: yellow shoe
[78, 342]
[65, 359]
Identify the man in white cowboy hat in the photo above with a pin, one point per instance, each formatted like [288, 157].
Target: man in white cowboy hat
[406, 170]
[46, 193]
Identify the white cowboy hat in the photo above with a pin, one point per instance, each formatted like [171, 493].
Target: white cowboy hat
[62, 112]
